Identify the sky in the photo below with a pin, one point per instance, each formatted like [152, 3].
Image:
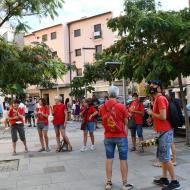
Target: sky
[76, 9]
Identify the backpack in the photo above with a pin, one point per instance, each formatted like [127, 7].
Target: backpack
[175, 114]
[109, 121]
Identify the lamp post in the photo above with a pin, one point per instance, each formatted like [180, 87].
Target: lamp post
[124, 81]
[84, 62]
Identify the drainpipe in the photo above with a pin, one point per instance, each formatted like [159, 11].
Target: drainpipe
[70, 70]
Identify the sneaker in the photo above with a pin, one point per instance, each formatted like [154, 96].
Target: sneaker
[162, 181]
[47, 149]
[127, 186]
[108, 185]
[83, 149]
[133, 149]
[92, 148]
[174, 185]
[41, 150]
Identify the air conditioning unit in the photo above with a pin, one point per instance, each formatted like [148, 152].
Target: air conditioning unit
[98, 33]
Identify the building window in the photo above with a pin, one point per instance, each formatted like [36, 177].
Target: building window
[78, 52]
[53, 35]
[97, 31]
[98, 48]
[77, 33]
[79, 72]
[44, 38]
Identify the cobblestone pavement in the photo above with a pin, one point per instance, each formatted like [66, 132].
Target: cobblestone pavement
[76, 170]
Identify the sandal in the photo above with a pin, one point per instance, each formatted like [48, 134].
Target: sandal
[70, 148]
[41, 150]
[14, 153]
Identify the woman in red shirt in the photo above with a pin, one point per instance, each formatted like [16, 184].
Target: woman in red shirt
[88, 113]
[136, 110]
[15, 117]
[42, 113]
[59, 113]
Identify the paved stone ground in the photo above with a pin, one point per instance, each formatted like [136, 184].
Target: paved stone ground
[76, 170]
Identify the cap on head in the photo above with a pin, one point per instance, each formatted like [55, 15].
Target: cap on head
[156, 82]
[113, 91]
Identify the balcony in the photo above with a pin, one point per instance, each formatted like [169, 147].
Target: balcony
[97, 35]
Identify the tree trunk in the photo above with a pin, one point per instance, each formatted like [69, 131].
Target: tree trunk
[185, 110]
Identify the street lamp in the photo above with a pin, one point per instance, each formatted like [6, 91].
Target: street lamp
[86, 48]
[124, 81]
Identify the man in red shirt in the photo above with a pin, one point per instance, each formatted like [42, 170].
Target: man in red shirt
[136, 110]
[165, 140]
[59, 113]
[114, 119]
[15, 117]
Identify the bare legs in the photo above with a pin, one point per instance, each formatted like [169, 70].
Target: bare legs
[85, 137]
[59, 131]
[43, 136]
[123, 169]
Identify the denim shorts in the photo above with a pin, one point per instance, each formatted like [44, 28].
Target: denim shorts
[41, 126]
[59, 126]
[163, 149]
[137, 129]
[90, 127]
[122, 145]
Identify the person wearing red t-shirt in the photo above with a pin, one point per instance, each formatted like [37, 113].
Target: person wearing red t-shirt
[59, 113]
[16, 116]
[136, 110]
[42, 113]
[165, 139]
[88, 112]
[114, 120]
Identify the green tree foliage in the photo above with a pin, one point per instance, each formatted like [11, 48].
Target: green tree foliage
[33, 65]
[153, 44]
[15, 10]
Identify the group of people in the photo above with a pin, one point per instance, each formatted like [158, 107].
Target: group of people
[41, 113]
[115, 117]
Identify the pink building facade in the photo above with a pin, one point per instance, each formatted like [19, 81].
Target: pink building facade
[75, 43]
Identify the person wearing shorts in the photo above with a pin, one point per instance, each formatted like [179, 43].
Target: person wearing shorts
[59, 113]
[165, 140]
[88, 113]
[42, 114]
[31, 109]
[115, 135]
[15, 117]
[136, 110]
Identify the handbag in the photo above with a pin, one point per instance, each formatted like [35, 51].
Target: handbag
[131, 122]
